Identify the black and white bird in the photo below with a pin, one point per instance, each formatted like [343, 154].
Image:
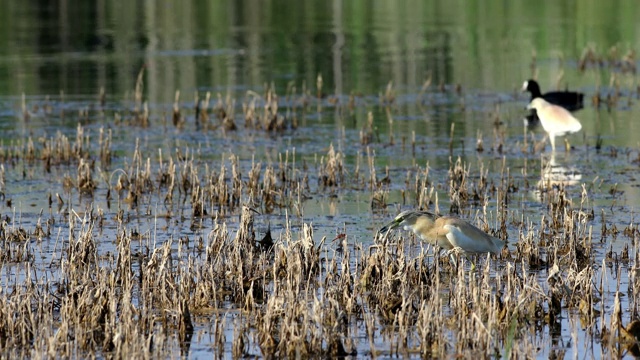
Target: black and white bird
[569, 100]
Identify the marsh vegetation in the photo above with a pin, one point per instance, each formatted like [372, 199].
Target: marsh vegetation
[145, 247]
[188, 203]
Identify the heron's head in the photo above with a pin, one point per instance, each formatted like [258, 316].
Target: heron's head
[407, 219]
[537, 104]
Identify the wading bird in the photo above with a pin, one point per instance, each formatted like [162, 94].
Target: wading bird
[569, 100]
[556, 120]
[449, 233]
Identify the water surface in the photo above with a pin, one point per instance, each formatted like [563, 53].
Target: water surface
[474, 58]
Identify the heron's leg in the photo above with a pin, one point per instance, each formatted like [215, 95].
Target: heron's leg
[567, 146]
[473, 265]
[453, 253]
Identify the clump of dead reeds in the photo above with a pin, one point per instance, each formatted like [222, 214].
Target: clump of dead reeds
[458, 191]
[210, 260]
[332, 170]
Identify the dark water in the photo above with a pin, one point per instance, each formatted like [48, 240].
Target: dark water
[475, 57]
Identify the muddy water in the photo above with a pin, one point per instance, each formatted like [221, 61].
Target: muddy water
[473, 58]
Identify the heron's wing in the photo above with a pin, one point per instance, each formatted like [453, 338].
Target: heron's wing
[558, 119]
[469, 238]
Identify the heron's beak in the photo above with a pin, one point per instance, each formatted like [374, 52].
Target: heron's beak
[390, 226]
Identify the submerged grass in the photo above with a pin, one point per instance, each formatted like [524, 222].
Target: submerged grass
[105, 287]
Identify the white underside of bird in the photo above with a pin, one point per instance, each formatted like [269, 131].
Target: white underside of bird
[459, 239]
[555, 120]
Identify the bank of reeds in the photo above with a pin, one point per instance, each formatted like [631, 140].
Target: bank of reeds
[250, 277]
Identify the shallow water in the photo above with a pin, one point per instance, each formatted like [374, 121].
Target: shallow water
[475, 57]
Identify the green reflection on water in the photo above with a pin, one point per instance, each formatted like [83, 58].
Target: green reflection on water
[356, 45]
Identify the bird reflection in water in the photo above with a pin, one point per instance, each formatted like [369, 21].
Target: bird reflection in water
[558, 173]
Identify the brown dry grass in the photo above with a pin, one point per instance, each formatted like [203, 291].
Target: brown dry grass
[292, 294]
